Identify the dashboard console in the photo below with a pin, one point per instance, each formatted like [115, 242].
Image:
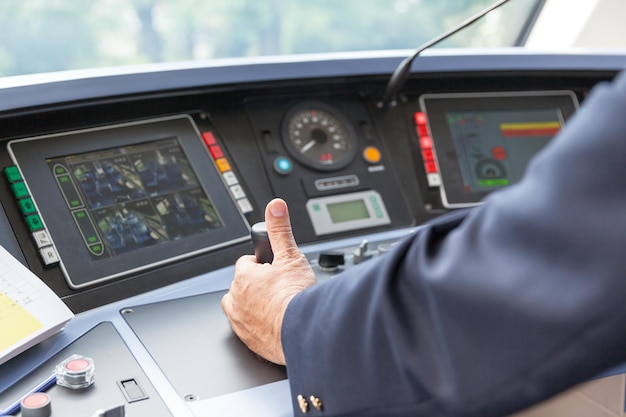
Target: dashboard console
[132, 195]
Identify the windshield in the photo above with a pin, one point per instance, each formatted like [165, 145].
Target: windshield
[55, 35]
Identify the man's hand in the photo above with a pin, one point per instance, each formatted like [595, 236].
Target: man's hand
[260, 293]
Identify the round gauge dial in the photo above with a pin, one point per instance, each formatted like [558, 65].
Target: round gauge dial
[319, 137]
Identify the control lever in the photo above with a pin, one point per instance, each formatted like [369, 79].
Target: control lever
[261, 243]
[362, 253]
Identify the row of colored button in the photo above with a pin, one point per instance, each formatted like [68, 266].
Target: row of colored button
[284, 166]
[228, 175]
[31, 216]
[426, 146]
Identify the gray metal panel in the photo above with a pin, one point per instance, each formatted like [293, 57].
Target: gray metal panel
[193, 344]
[113, 362]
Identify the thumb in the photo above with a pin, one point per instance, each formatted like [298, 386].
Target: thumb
[279, 228]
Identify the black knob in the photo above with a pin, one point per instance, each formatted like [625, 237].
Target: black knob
[330, 261]
[261, 243]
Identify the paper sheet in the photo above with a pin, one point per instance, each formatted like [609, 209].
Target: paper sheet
[29, 310]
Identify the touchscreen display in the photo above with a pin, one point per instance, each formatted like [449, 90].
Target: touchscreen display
[483, 142]
[132, 197]
[494, 147]
[119, 200]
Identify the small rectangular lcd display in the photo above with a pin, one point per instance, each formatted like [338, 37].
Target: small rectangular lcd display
[483, 142]
[346, 211]
[134, 196]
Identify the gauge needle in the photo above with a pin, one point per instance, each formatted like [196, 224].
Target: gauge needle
[308, 146]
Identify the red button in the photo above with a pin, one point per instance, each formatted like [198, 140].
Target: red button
[209, 138]
[431, 167]
[36, 400]
[216, 151]
[426, 142]
[420, 118]
[77, 365]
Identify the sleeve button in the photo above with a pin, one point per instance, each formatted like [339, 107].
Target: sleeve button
[316, 402]
[303, 403]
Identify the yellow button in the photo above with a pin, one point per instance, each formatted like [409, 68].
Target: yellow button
[223, 165]
[371, 154]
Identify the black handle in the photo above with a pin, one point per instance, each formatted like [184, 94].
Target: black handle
[261, 243]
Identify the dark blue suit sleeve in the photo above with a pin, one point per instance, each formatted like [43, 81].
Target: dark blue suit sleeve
[482, 312]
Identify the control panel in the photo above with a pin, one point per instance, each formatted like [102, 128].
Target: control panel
[325, 158]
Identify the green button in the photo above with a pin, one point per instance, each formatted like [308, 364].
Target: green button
[19, 189]
[27, 206]
[34, 222]
[12, 173]
[60, 170]
[97, 249]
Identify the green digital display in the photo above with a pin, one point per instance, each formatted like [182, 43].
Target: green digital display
[346, 211]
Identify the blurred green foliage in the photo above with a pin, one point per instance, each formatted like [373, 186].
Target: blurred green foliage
[54, 35]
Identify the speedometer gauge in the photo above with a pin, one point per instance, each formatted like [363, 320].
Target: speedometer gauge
[319, 137]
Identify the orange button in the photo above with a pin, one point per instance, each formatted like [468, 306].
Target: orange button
[223, 165]
[371, 154]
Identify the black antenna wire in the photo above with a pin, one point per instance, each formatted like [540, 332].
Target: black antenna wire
[401, 73]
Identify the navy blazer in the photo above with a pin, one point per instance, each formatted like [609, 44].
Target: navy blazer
[484, 311]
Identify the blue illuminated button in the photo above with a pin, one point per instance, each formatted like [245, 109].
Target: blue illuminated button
[283, 165]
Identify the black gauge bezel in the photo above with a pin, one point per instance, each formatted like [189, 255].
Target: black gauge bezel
[333, 112]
